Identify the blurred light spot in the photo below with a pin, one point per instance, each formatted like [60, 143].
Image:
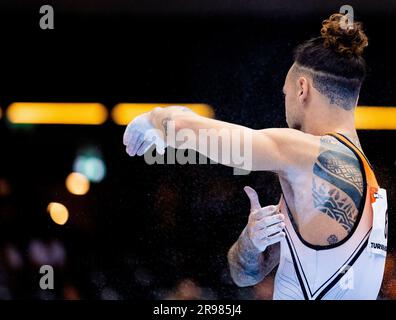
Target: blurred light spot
[123, 113]
[77, 183]
[57, 113]
[379, 118]
[91, 167]
[5, 188]
[38, 253]
[70, 292]
[1, 113]
[187, 289]
[58, 212]
[57, 253]
[13, 257]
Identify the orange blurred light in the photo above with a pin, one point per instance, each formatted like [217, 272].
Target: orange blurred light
[375, 118]
[77, 183]
[58, 212]
[5, 188]
[123, 113]
[57, 113]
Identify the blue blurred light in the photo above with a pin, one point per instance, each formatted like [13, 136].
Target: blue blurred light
[91, 165]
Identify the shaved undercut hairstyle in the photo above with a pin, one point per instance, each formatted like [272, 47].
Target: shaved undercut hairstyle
[334, 60]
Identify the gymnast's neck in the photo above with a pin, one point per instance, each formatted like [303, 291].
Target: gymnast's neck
[323, 118]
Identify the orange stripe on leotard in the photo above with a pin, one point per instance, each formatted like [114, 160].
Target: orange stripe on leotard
[370, 177]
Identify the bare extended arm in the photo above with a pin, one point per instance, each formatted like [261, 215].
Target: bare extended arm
[275, 149]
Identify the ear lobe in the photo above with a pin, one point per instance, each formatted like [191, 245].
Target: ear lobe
[303, 90]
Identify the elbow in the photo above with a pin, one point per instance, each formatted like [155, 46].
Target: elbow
[242, 280]
[244, 283]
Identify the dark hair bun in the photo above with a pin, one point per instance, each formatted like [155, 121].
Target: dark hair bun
[344, 39]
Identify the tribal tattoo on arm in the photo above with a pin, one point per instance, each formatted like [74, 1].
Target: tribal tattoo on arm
[337, 186]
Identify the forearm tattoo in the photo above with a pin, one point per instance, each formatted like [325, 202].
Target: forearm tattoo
[337, 186]
[249, 266]
[165, 123]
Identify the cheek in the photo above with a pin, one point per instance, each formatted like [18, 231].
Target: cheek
[288, 105]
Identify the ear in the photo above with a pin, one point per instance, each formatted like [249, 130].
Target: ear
[302, 89]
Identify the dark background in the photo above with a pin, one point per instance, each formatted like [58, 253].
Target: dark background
[145, 230]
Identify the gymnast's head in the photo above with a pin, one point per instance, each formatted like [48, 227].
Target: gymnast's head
[327, 73]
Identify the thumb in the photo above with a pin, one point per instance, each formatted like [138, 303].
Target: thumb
[253, 197]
